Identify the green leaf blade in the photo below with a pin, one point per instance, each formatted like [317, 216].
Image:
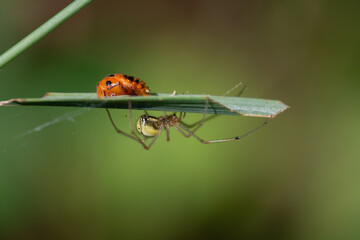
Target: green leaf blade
[161, 102]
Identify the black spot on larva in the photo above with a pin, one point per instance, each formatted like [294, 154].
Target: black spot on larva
[97, 84]
[236, 138]
[125, 90]
[108, 83]
[125, 75]
[131, 78]
[137, 80]
[111, 75]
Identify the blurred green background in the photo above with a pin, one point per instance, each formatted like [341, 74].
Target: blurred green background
[66, 174]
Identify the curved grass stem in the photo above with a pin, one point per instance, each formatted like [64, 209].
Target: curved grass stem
[42, 31]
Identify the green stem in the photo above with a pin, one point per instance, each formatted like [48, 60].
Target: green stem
[42, 31]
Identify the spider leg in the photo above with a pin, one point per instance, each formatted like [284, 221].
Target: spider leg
[190, 133]
[196, 123]
[145, 139]
[133, 134]
[181, 131]
[116, 128]
[182, 115]
[141, 141]
[235, 87]
[167, 128]
[201, 122]
[146, 113]
[156, 137]
[167, 133]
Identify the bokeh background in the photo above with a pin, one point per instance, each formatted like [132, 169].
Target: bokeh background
[66, 174]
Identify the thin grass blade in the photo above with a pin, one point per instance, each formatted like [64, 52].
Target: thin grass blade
[161, 102]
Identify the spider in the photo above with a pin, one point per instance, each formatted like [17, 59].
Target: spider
[151, 127]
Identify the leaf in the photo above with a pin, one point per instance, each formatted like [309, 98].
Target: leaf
[161, 102]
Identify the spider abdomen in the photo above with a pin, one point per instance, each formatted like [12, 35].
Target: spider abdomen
[148, 126]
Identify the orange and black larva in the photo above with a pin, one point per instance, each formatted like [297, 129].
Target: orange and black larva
[121, 84]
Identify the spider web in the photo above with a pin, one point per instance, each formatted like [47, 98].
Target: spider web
[68, 116]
